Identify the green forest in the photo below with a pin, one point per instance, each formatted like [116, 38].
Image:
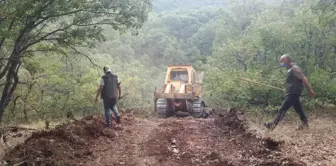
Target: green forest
[52, 52]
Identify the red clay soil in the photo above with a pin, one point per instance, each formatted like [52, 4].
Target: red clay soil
[224, 141]
[67, 144]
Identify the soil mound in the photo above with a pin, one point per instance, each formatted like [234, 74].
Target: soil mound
[225, 141]
[259, 151]
[67, 144]
[233, 121]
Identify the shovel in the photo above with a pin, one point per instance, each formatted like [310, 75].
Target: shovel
[270, 86]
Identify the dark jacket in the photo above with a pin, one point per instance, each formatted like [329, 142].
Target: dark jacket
[110, 88]
[294, 84]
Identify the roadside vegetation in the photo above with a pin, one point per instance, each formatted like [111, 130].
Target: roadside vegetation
[52, 52]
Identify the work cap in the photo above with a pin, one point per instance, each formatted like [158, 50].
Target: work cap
[107, 69]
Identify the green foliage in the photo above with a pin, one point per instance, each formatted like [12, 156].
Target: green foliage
[322, 82]
[242, 40]
[169, 5]
[327, 11]
[30, 28]
[182, 36]
[226, 89]
[252, 37]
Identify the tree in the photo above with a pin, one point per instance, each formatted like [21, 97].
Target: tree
[232, 43]
[253, 40]
[171, 5]
[327, 11]
[29, 27]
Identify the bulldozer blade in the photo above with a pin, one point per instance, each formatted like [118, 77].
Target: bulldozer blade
[182, 114]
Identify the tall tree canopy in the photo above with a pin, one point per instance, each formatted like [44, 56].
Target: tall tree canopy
[226, 39]
[31, 27]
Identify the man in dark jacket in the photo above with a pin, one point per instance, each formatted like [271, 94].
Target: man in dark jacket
[110, 92]
[295, 80]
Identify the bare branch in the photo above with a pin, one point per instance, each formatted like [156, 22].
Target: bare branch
[45, 18]
[42, 50]
[14, 105]
[62, 14]
[99, 12]
[45, 36]
[3, 59]
[3, 17]
[104, 22]
[9, 28]
[43, 7]
[4, 71]
[39, 30]
[33, 107]
[80, 53]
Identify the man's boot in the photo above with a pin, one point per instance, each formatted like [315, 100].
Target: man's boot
[304, 125]
[269, 125]
[118, 120]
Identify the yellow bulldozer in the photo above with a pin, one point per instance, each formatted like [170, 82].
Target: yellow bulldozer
[181, 95]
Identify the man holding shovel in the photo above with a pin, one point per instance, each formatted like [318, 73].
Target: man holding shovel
[295, 80]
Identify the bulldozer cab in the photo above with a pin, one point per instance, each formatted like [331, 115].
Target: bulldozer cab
[180, 73]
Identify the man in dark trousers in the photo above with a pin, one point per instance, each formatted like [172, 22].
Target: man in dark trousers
[295, 80]
[110, 92]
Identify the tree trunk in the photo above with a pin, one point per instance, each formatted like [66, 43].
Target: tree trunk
[25, 101]
[9, 87]
[11, 73]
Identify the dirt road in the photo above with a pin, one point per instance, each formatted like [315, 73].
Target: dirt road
[223, 141]
[169, 142]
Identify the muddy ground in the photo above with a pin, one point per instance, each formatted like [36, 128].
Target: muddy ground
[226, 140]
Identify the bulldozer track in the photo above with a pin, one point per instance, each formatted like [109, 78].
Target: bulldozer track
[198, 109]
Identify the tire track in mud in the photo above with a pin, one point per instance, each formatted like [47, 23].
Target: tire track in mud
[223, 142]
[126, 148]
[182, 142]
[191, 142]
[166, 142]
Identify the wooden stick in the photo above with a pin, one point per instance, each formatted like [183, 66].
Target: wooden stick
[262, 84]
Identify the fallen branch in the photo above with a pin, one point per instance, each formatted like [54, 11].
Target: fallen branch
[20, 163]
